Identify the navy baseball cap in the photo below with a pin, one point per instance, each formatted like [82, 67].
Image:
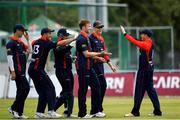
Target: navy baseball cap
[98, 24]
[62, 32]
[46, 30]
[19, 27]
[149, 33]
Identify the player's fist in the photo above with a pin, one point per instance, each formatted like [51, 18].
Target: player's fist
[122, 30]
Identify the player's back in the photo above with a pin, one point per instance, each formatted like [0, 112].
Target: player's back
[40, 52]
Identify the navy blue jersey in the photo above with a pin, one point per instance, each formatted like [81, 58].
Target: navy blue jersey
[83, 44]
[40, 53]
[146, 51]
[63, 57]
[146, 58]
[17, 49]
[98, 45]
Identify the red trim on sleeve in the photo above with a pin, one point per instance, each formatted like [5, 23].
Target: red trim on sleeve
[18, 61]
[106, 57]
[145, 45]
[36, 64]
[65, 66]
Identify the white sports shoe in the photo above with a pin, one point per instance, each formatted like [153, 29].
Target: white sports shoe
[23, 117]
[104, 114]
[10, 110]
[14, 113]
[52, 114]
[99, 115]
[129, 115]
[40, 115]
[87, 116]
[71, 116]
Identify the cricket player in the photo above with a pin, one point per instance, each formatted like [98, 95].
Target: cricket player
[41, 80]
[144, 80]
[86, 74]
[17, 59]
[98, 45]
[63, 66]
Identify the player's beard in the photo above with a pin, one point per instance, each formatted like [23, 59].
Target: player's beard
[87, 31]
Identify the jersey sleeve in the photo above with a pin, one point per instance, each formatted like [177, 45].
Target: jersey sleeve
[10, 48]
[63, 49]
[141, 44]
[106, 57]
[51, 45]
[82, 44]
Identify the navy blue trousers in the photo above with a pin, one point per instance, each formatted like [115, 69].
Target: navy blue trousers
[144, 82]
[88, 78]
[21, 93]
[99, 69]
[66, 79]
[44, 88]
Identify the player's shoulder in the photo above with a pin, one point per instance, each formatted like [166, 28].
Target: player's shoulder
[81, 38]
[33, 42]
[91, 36]
[10, 42]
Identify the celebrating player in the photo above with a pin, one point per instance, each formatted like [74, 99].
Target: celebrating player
[98, 45]
[86, 74]
[16, 56]
[41, 80]
[144, 80]
[63, 66]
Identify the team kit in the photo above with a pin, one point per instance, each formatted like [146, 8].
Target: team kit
[91, 55]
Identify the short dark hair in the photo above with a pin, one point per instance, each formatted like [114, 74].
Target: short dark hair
[83, 23]
[148, 32]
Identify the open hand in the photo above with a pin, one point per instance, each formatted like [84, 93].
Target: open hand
[26, 35]
[122, 30]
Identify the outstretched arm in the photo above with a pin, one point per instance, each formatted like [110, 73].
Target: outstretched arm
[141, 44]
[65, 42]
[88, 54]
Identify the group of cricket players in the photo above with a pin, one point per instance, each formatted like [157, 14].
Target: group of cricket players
[91, 54]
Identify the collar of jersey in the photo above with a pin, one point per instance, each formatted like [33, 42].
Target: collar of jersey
[84, 34]
[44, 39]
[14, 38]
[99, 37]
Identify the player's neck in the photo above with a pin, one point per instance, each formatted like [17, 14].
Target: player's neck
[16, 36]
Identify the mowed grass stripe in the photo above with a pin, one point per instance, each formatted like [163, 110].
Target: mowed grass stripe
[114, 107]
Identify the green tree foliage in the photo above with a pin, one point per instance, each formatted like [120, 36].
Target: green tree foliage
[154, 13]
[140, 13]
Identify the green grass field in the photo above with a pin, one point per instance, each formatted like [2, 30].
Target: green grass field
[115, 108]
